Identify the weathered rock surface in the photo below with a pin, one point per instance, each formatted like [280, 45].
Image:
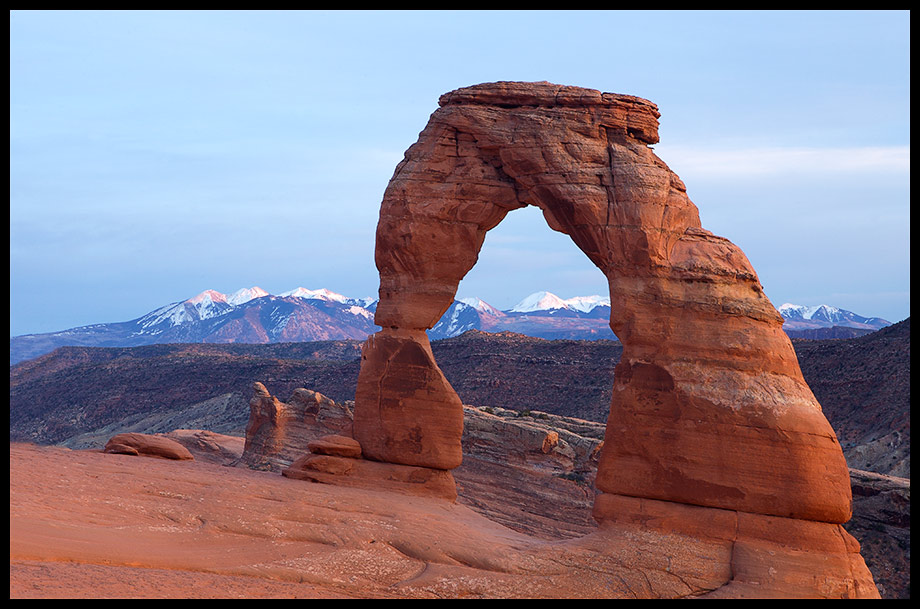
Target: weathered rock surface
[86, 524]
[710, 409]
[374, 475]
[705, 362]
[419, 421]
[881, 522]
[147, 445]
[337, 446]
[209, 446]
[290, 438]
[534, 472]
[864, 388]
[279, 432]
[549, 444]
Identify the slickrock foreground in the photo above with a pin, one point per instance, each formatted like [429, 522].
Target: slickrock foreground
[86, 524]
[530, 472]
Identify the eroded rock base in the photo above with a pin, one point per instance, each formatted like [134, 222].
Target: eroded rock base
[337, 460]
[195, 528]
[756, 556]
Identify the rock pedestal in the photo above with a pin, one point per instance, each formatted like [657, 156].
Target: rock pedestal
[337, 460]
[410, 414]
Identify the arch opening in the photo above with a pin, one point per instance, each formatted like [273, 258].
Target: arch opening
[523, 268]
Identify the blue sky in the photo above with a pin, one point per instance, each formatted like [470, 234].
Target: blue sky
[157, 154]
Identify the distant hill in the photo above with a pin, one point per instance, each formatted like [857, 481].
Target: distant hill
[799, 317]
[863, 385]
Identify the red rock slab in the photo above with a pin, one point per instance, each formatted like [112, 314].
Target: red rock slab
[100, 524]
[336, 446]
[148, 446]
[374, 475]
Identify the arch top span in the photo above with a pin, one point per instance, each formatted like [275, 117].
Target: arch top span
[709, 408]
[638, 116]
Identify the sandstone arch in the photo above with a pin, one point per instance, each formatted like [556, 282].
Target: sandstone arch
[710, 407]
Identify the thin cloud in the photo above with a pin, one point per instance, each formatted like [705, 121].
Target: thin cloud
[767, 161]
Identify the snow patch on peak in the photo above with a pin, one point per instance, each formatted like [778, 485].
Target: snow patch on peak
[788, 310]
[244, 295]
[208, 296]
[320, 294]
[586, 304]
[361, 311]
[539, 301]
[209, 303]
[172, 314]
[480, 305]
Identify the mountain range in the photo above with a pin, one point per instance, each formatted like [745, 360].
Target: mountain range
[254, 316]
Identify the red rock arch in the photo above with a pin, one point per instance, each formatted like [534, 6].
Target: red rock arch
[709, 405]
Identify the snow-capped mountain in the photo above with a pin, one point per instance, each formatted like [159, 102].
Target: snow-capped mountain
[547, 301]
[249, 315]
[252, 315]
[799, 317]
[541, 314]
[539, 301]
[244, 295]
[480, 305]
[586, 304]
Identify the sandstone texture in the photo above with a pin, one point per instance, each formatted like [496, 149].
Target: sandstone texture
[549, 444]
[209, 446]
[279, 432]
[709, 405]
[337, 446]
[148, 446]
[288, 437]
[863, 385]
[419, 419]
[233, 532]
[85, 524]
[374, 475]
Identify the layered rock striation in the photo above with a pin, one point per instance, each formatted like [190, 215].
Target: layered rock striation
[279, 432]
